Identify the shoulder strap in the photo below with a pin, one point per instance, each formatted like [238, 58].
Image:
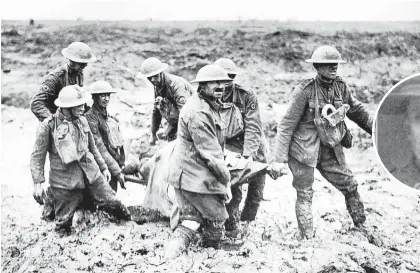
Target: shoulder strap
[316, 101]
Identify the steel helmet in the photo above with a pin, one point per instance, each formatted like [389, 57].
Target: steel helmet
[210, 73]
[151, 67]
[101, 87]
[228, 65]
[71, 96]
[326, 54]
[78, 52]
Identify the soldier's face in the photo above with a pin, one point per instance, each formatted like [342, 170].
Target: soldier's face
[228, 84]
[103, 99]
[156, 80]
[77, 67]
[327, 71]
[77, 111]
[214, 89]
[414, 126]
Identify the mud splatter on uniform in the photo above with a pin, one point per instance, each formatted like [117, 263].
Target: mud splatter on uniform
[251, 143]
[67, 180]
[198, 173]
[300, 146]
[114, 156]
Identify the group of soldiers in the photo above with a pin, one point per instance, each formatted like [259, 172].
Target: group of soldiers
[87, 158]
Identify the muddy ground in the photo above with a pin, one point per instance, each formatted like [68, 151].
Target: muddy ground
[271, 60]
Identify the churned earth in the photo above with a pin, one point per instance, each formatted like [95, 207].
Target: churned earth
[271, 60]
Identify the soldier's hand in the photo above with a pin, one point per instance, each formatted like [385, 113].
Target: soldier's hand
[276, 170]
[152, 140]
[121, 179]
[38, 193]
[107, 175]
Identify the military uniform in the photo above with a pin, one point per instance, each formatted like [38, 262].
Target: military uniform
[250, 143]
[42, 104]
[300, 146]
[105, 135]
[67, 180]
[198, 171]
[175, 91]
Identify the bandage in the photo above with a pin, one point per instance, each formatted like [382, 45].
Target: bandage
[193, 225]
[327, 110]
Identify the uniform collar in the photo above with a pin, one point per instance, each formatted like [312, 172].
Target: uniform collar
[73, 74]
[59, 114]
[101, 110]
[160, 89]
[323, 83]
[229, 94]
[215, 104]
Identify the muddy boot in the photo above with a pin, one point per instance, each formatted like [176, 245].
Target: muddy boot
[180, 240]
[213, 232]
[355, 207]
[254, 196]
[304, 213]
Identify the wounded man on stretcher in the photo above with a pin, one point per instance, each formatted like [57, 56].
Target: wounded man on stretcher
[159, 199]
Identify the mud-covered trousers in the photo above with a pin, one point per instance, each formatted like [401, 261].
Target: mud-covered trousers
[340, 176]
[206, 209]
[66, 202]
[253, 199]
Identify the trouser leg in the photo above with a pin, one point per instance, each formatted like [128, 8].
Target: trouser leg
[232, 223]
[207, 209]
[113, 183]
[171, 132]
[254, 196]
[303, 179]
[65, 204]
[341, 177]
[48, 213]
[105, 198]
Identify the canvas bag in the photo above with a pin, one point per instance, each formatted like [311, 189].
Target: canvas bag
[329, 135]
[114, 136]
[66, 146]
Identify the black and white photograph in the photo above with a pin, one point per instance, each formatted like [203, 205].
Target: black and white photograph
[398, 131]
[212, 136]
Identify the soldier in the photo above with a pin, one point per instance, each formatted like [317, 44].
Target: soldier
[250, 143]
[79, 55]
[106, 131]
[171, 93]
[199, 174]
[301, 146]
[74, 158]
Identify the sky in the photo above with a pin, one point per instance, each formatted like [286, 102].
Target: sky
[297, 10]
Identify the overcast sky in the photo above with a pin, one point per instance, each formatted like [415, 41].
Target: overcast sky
[212, 10]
